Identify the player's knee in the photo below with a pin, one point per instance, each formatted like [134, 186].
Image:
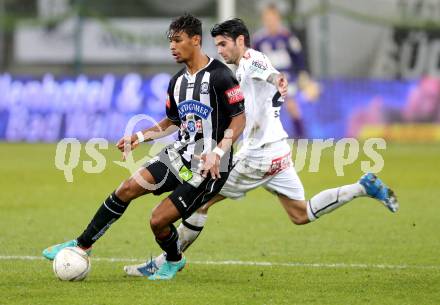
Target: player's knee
[300, 220]
[298, 217]
[296, 210]
[127, 190]
[157, 222]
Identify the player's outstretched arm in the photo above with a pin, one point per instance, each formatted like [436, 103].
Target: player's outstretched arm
[164, 128]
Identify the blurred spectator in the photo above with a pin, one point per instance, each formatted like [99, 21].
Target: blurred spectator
[286, 54]
[421, 106]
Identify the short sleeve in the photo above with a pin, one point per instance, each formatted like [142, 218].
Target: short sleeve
[171, 106]
[260, 67]
[229, 91]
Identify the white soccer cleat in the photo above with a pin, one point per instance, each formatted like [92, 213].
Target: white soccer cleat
[146, 269]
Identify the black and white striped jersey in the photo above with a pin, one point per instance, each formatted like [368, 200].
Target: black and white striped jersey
[203, 105]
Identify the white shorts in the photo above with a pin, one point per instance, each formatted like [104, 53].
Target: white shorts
[270, 167]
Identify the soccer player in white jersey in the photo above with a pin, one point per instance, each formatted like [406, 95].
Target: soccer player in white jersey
[265, 157]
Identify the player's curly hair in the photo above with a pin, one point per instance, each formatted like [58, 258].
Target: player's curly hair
[232, 28]
[186, 23]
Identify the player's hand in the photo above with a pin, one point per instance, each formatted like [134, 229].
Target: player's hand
[282, 84]
[210, 164]
[127, 144]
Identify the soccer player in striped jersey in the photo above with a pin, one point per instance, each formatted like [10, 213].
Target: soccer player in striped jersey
[265, 157]
[206, 105]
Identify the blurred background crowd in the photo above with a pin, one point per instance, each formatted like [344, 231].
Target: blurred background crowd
[77, 68]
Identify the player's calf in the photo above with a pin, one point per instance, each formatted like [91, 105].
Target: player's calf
[188, 232]
[296, 210]
[110, 211]
[129, 190]
[301, 219]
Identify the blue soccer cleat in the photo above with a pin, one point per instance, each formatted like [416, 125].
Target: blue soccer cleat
[375, 188]
[146, 269]
[52, 251]
[168, 270]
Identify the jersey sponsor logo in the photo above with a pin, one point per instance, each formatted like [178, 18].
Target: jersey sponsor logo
[194, 107]
[182, 201]
[234, 95]
[279, 164]
[204, 88]
[259, 65]
[186, 175]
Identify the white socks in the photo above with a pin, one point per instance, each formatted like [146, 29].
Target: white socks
[331, 199]
[190, 229]
[320, 204]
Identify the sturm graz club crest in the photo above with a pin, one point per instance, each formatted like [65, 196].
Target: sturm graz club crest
[191, 126]
[204, 88]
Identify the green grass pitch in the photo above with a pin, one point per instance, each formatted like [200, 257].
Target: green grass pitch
[360, 254]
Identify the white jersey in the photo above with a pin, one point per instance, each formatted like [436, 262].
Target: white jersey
[262, 101]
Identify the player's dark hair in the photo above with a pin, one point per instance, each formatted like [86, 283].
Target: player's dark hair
[232, 28]
[186, 23]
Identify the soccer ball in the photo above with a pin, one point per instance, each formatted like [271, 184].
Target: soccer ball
[71, 264]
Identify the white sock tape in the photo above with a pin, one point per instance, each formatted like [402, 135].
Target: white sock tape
[140, 136]
[219, 151]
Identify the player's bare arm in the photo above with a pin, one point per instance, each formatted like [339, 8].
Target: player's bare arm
[211, 161]
[164, 128]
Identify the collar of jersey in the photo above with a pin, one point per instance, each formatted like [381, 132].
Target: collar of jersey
[191, 76]
[248, 52]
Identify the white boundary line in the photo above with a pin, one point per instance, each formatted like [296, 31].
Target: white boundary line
[250, 263]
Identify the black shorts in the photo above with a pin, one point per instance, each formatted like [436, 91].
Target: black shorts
[184, 196]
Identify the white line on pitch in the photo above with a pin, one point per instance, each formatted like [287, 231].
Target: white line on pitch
[250, 263]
